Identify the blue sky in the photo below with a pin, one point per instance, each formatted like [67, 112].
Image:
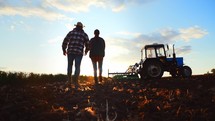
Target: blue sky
[32, 32]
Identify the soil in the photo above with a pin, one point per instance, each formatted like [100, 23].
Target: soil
[166, 99]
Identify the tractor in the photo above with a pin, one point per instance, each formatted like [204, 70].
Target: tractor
[157, 61]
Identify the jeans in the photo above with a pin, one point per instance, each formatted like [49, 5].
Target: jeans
[100, 62]
[77, 59]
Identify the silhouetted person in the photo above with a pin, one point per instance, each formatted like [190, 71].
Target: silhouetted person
[74, 42]
[97, 52]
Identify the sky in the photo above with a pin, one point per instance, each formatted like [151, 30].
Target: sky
[32, 32]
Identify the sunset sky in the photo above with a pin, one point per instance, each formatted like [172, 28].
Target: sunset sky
[32, 31]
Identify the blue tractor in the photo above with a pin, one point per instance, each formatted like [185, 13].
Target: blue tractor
[157, 61]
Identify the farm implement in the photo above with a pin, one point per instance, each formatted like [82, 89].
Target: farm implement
[155, 63]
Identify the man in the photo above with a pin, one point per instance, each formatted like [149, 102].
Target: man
[97, 52]
[74, 42]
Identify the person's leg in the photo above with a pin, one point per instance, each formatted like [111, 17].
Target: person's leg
[78, 59]
[70, 58]
[94, 62]
[100, 69]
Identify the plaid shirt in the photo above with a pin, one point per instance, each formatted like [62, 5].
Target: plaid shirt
[75, 41]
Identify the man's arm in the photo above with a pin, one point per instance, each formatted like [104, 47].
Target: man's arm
[64, 44]
[87, 45]
[64, 51]
[103, 43]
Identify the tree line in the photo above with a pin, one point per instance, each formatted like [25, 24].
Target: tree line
[21, 77]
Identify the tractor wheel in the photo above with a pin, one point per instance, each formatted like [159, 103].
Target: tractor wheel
[186, 72]
[154, 70]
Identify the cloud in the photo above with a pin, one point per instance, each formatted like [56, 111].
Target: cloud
[164, 36]
[126, 33]
[169, 35]
[69, 5]
[84, 6]
[52, 10]
[55, 40]
[69, 26]
[55, 9]
[19, 24]
[28, 9]
[119, 5]
[12, 27]
[38, 12]
[183, 50]
[190, 33]
[161, 36]
[122, 51]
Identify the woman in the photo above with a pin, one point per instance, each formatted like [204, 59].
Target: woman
[97, 53]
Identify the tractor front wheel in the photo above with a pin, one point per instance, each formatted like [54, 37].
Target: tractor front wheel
[186, 72]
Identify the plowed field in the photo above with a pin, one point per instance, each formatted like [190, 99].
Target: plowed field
[166, 99]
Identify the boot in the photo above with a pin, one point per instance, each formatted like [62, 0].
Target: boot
[100, 79]
[69, 81]
[75, 81]
[96, 80]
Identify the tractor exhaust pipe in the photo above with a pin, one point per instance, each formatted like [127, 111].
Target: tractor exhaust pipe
[174, 56]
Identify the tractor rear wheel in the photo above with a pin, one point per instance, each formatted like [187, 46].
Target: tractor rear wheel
[154, 70]
[186, 72]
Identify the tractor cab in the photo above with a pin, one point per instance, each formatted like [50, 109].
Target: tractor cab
[155, 51]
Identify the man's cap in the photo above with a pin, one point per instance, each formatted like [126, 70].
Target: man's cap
[79, 24]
